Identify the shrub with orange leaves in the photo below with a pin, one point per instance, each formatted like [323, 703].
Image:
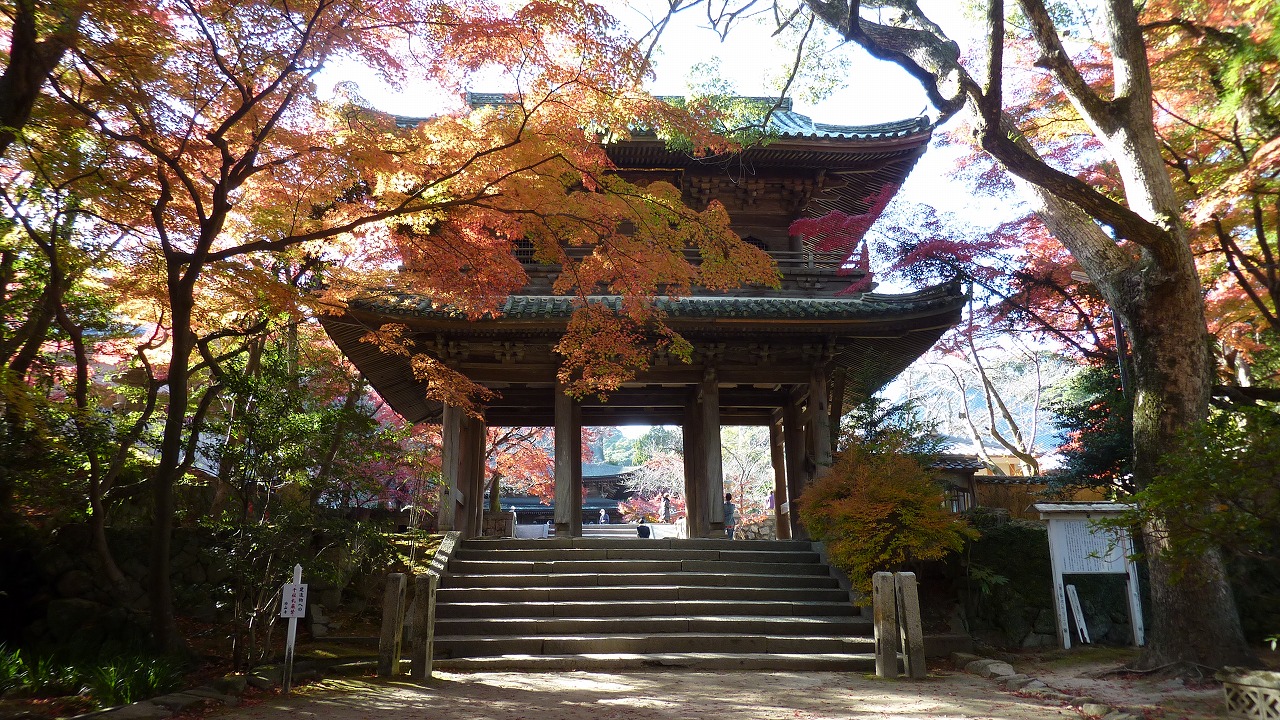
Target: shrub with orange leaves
[878, 509]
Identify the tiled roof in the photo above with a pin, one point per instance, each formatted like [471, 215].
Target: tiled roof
[952, 461]
[533, 307]
[1010, 480]
[591, 470]
[785, 121]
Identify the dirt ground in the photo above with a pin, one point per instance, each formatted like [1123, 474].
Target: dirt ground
[1093, 672]
[756, 695]
[676, 694]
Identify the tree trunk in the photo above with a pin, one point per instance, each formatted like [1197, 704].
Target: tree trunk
[1193, 617]
[1157, 293]
[164, 627]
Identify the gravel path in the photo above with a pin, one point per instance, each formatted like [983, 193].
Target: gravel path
[666, 695]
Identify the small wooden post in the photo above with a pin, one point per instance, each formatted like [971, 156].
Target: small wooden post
[885, 619]
[424, 624]
[911, 627]
[392, 626]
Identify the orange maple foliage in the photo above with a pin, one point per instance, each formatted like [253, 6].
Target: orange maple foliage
[242, 187]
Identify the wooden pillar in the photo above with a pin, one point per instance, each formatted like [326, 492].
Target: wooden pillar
[820, 416]
[474, 439]
[777, 456]
[796, 456]
[694, 470]
[568, 439]
[712, 454]
[451, 463]
[837, 404]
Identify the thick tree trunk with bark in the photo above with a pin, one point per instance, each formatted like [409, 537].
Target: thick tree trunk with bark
[1151, 280]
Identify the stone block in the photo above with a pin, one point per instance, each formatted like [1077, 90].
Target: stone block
[1036, 640]
[75, 584]
[179, 701]
[1046, 622]
[997, 669]
[1095, 709]
[262, 682]
[1034, 685]
[230, 684]
[140, 711]
[1014, 682]
[212, 694]
[960, 659]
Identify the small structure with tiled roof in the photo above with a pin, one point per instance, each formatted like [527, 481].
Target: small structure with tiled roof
[790, 358]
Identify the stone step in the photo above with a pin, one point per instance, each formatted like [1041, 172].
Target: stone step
[620, 567]
[498, 611]
[470, 553]
[688, 579]
[607, 662]
[487, 645]
[655, 593]
[624, 542]
[651, 625]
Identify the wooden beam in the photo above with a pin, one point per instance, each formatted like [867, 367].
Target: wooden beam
[485, 373]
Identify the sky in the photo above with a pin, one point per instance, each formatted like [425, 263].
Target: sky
[864, 91]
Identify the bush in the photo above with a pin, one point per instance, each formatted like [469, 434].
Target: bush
[124, 680]
[109, 679]
[878, 509]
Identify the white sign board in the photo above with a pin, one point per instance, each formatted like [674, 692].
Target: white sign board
[1086, 548]
[1078, 546]
[293, 601]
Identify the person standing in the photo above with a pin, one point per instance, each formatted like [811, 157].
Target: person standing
[730, 515]
[604, 516]
[664, 510]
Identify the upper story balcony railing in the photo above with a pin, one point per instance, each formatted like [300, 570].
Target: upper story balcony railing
[804, 273]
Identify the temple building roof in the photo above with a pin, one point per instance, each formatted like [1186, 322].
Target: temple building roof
[762, 345]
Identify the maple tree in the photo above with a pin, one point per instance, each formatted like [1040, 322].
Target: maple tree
[239, 184]
[1135, 250]
[519, 459]
[879, 509]
[1124, 227]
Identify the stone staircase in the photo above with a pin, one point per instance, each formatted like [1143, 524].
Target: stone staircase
[611, 603]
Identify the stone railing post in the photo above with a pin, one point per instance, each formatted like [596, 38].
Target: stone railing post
[424, 624]
[885, 622]
[392, 626]
[909, 622]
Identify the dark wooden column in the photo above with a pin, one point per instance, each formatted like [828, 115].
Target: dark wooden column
[793, 436]
[451, 467]
[568, 439]
[713, 452]
[694, 470]
[837, 404]
[474, 438]
[820, 416]
[777, 456]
